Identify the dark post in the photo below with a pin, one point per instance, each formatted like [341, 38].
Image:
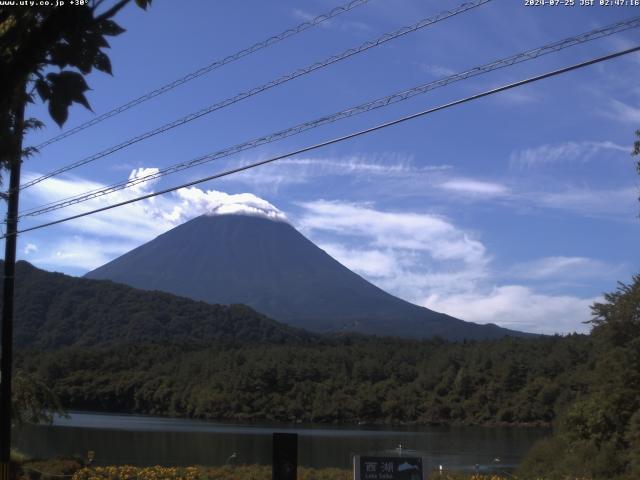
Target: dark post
[285, 456]
[8, 287]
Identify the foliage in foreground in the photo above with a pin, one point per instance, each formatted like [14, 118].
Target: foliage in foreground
[73, 469]
[32, 400]
[599, 435]
[240, 472]
[252, 472]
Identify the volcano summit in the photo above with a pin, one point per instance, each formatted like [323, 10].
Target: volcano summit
[270, 266]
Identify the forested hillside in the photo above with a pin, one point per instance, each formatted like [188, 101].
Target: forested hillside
[274, 269]
[165, 355]
[513, 381]
[53, 310]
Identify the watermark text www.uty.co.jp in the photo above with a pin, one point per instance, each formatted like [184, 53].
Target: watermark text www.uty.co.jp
[43, 3]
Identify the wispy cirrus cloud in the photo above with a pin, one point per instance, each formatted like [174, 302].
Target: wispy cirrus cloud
[420, 256]
[518, 97]
[356, 26]
[370, 262]
[305, 16]
[430, 261]
[566, 152]
[562, 267]
[406, 253]
[435, 70]
[475, 187]
[410, 231]
[623, 112]
[301, 170]
[144, 219]
[93, 240]
[80, 252]
[584, 201]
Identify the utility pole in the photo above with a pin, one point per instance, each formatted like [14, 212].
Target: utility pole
[15, 162]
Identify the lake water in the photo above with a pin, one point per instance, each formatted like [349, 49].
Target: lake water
[141, 440]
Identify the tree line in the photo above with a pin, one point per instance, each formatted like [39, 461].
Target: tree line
[586, 386]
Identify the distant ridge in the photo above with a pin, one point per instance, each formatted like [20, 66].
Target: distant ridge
[273, 268]
[53, 310]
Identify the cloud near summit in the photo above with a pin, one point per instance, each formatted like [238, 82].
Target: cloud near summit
[213, 202]
[422, 257]
[122, 229]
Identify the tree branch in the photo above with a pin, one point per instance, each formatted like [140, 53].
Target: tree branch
[112, 11]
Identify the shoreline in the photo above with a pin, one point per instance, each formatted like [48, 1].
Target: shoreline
[268, 423]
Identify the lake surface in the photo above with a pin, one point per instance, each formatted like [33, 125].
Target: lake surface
[141, 440]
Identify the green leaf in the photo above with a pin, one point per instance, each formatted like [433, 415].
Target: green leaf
[62, 54]
[33, 124]
[102, 63]
[43, 89]
[82, 100]
[85, 61]
[59, 111]
[143, 3]
[100, 41]
[111, 28]
[66, 87]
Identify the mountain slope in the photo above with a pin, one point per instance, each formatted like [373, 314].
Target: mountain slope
[53, 310]
[271, 267]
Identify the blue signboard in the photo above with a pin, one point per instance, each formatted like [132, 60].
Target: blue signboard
[387, 468]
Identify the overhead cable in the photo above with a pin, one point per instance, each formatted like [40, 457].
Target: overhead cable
[208, 68]
[359, 109]
[256, 90]
[340, 139]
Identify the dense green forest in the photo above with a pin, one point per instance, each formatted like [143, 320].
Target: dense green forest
[586, 386]
[164, 355]
[598, 435]
[349, 379]
[53, 310]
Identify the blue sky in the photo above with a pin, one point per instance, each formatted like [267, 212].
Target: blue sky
[519, 209]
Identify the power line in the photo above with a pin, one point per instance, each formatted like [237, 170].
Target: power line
[208, 68]
[256, 90]
[362, 108]
[343, 138]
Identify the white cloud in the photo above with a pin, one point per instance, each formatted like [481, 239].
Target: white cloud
[436, 70]
[562, 267]
[621, 43]
[371, 263]
[623, 112]
[80, 253]
[475, 187]
[140, 221]
[562, 152]
[517, 307]
[30, 248]
[589, 202]
[412, 231]
[517, 97]
[213, 202]
[308, 17]
[404, 253]
[138, 173]
[422, 257]
[356, 26]
[428, 260]
[296, 171]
